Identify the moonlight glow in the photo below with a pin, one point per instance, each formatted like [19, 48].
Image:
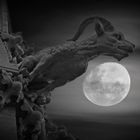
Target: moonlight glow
[106, 85]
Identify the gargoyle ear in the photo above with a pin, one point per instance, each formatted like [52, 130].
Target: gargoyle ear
[99, 29]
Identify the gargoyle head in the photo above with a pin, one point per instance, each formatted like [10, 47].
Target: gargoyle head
[107, 40]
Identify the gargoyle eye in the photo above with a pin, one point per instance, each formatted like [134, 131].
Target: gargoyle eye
[118, 36]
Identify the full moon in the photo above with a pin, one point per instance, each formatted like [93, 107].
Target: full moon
[107, 84]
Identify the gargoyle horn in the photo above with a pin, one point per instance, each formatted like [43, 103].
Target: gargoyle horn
[107, 26]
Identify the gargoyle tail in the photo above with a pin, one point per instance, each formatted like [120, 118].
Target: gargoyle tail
[106, 25]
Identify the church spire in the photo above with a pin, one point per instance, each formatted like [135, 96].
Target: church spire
[5, 26]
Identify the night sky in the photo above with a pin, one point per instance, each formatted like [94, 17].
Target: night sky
[45, 24]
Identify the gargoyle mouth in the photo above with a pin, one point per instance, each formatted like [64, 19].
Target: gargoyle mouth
[126, 49]
[119, 53]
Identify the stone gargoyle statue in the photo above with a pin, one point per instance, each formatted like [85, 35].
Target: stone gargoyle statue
[57, 65]
[52, 67]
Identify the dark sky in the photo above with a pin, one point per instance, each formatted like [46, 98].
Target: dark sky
[63, 17]
[45, 24]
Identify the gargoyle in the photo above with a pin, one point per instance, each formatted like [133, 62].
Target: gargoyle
[55, 66]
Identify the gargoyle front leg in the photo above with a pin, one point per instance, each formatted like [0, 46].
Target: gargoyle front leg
[43, 64]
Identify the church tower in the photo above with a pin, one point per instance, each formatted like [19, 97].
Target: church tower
[5, 28]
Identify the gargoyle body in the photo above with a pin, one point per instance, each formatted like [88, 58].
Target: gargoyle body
[55, 66]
